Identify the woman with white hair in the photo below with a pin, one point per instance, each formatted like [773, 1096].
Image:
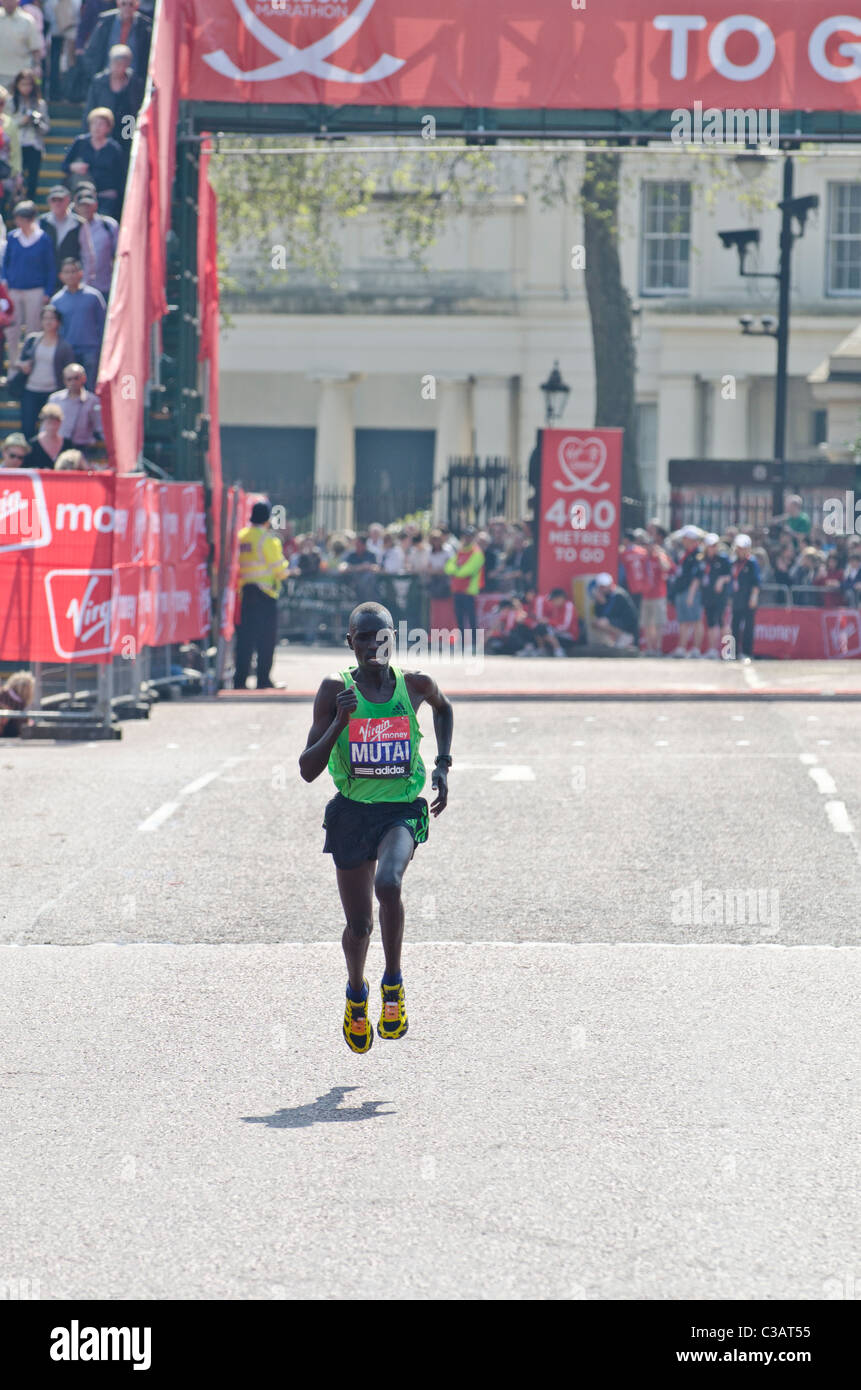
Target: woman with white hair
[747, 582]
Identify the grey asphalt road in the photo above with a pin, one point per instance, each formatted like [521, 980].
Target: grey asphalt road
[632, 972]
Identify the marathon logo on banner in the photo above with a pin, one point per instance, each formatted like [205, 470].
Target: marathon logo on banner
[312, 56]
[380, 747]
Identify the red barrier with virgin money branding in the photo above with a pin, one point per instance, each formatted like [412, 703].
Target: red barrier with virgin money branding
[92, 565]
[581, 493]
[527, 54]
[800, 634]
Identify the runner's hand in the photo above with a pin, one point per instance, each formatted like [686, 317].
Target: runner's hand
[345, 704]
[439, 782]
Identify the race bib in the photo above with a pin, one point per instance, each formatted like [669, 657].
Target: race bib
[380, 747]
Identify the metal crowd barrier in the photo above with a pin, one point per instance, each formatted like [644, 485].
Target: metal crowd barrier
[80, 700]
[805, 596]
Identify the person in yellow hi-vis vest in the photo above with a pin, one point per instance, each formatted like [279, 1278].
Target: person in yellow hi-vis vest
[466, 569]
[261, 568]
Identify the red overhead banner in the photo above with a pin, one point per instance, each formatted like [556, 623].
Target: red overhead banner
[527, 54]
[581, 499]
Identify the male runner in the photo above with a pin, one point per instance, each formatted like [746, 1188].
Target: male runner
[366, 732]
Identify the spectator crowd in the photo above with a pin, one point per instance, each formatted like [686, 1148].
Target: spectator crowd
[56, 263]
[715, 583]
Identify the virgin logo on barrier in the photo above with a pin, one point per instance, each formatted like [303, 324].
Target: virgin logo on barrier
[582, 461]
[842, 633]
[193, 520]
[204, 599]
[24, 520]
[79, 609]
[312, 58]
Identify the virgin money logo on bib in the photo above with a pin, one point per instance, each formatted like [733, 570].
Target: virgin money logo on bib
[380, 747]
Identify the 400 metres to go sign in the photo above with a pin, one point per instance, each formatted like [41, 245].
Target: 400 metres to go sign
[581, 515]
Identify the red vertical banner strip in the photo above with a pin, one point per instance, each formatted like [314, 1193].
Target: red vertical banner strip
[209, 308]
[581, 500]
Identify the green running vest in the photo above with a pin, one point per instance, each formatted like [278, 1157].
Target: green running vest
[376, 757]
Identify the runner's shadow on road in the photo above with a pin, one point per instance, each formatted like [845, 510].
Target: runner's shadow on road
[325, 1109]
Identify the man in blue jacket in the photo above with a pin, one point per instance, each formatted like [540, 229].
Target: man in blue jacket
[83, 317]
[30, 272]
[123, 25]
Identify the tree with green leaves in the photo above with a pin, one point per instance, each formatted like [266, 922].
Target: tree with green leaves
[300, 198]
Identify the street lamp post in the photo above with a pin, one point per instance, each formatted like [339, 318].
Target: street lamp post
[790, 208]
[556, 393]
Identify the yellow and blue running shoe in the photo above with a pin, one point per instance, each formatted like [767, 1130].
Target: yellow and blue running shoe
[393, 1017]
[358, 1032]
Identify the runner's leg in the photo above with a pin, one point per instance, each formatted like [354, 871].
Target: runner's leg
[356, 887]
[395, 852]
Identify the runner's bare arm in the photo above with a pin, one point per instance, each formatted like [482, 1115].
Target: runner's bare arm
[443, 723]
[332, 709]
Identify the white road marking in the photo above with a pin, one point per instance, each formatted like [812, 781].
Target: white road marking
[739, 718]
[809, 759]
[662, 743]
[164, 812]
[742, 742]
[159, 817]
[839, 817]
[824, 781]
[200, 782]
[824, 742]
[514, 773]
[171, 745]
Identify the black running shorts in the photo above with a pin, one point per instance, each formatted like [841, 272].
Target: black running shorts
[354, 828]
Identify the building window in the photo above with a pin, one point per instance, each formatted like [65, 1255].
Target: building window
[819, 422]
[844, 239]
[647, 433]
[666, 239]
